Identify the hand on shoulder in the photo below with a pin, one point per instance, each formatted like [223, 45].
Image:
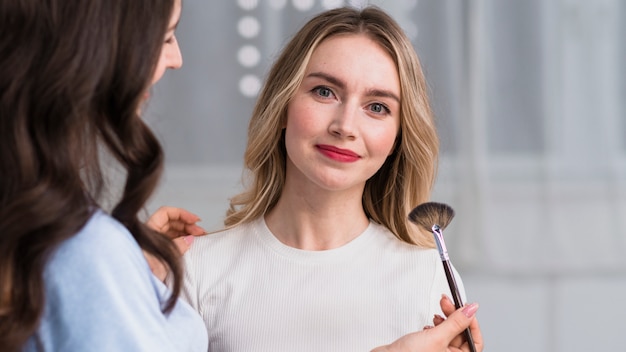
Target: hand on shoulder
[180, 226]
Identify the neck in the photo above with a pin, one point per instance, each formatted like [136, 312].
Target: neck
[317, 220]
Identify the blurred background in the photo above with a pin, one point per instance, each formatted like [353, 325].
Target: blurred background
[530, 103]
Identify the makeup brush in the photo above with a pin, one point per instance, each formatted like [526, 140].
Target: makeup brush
[434, 217]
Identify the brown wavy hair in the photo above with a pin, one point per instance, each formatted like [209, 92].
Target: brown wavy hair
[73, 74]
[407, 176]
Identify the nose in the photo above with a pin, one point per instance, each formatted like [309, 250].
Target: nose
[344, 122]
[174, 57]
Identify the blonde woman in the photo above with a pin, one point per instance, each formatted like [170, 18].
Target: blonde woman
[318, 254]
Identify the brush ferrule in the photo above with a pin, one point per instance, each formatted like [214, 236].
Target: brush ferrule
[441, 245]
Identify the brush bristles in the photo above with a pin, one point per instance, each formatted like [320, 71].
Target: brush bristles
[428, 214]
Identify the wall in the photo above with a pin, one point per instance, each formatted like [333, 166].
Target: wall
[529, 97]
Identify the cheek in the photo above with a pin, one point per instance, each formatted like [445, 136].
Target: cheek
[384, 140]
[302, 129]
[300, 121]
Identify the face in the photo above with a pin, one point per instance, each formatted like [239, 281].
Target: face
[344, 118]
[170, 53]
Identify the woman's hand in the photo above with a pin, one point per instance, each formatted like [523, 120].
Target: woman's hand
[445, 336]
[179, 225]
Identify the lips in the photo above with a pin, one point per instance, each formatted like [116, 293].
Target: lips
[338, 154]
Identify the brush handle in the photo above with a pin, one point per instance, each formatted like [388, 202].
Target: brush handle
[458, 302]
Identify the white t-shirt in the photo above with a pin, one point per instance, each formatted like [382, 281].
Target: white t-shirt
[256, 294]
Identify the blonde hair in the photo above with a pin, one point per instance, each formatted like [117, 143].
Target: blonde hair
[407, 176]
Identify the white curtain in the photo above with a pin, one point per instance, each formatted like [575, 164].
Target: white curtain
[538, 172]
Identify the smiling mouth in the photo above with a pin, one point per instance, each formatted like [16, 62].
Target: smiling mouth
[338, 154]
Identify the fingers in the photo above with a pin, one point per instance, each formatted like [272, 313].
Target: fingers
[175, 222]
[447, 306]
[193, 230]
[438, 319]
[476, 335]
[177, 229]
[183, 243]
[444, 336]
[458, 320]
[167, 213]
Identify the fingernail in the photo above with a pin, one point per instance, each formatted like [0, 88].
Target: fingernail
[447, 297]
[428, 327]
[470, 309]
[188, 239]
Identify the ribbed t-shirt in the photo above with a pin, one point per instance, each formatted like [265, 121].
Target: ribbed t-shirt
[255, 293]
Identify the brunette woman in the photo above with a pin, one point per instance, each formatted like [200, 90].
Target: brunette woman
[73, 77]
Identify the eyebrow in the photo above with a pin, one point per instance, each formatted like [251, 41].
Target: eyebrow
[339, 83]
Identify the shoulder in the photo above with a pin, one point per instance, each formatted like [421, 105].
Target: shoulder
[220, 251]
[212, 255]
[102, 244]
[102, 257]
[223, 242]
[404, 255]
[104, 230]
[424, 262]
[388, 240]
[101, 293]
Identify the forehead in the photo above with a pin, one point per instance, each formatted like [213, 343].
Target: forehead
[350, 47]
[176, 12]
[356, 57]
[336, 42]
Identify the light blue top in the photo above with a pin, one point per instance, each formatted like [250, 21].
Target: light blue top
[102, 296]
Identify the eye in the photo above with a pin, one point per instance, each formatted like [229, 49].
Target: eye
[379, 108]
[170, 39]
[323, 92]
